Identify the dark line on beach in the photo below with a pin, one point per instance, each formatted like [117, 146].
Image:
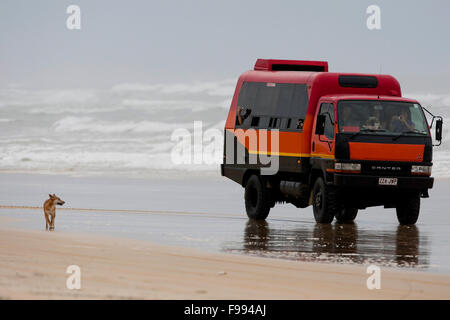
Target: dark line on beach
[221, 215]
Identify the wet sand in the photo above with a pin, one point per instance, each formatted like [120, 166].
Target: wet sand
[33, 266]
[190, 239]
[208, 214]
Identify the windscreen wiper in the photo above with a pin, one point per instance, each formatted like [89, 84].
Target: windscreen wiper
[404, 133]
[366, 130]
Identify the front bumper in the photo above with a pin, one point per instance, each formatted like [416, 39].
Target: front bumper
[361, 181]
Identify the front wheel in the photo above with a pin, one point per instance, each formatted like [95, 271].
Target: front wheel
[324, 202]
[346, 215]
[408, 209]
[257, 199]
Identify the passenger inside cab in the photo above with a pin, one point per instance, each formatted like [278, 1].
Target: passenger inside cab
[381, 117]
[402, 122]
[242, 114]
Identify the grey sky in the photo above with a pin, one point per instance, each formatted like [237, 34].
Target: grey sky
[181, 41]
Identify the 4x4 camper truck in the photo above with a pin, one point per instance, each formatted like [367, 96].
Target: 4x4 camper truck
[340, 141]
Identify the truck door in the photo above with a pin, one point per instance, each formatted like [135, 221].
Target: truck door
[323, 144]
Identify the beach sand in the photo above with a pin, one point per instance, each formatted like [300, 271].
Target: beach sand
[178, 247]
[33, 266]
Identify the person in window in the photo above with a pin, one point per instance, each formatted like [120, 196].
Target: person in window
[242, 114]
[374, 122]
[349, 118]
[402, 122]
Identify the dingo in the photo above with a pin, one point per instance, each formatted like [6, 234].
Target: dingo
[50, 210]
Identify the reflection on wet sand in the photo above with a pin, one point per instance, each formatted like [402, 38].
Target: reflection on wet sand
[345, 243]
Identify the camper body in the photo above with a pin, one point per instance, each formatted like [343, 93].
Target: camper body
[342, 142]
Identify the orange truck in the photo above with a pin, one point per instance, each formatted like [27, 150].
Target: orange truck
[341, 142]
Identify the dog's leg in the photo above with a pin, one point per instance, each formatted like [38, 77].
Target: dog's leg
[47, 222]
[52, 218]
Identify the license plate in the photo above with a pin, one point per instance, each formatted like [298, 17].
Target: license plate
[387, 181]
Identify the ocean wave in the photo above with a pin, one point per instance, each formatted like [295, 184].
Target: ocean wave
[20, 97]
[100, 161]
[130, 127]
[432, 100]
[88, 124]
[220, 88]
[190, 97]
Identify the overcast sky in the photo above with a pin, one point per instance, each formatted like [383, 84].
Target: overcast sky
[183, 41]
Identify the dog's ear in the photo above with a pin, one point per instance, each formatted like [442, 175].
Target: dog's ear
[50, 195]
[54, 195]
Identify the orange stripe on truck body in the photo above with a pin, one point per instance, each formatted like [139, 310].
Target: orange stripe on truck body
[260, 141]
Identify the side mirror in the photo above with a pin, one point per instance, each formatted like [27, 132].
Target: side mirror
[438, 135]
[320, 124]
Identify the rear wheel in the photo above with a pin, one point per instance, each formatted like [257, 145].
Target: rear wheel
[408, 209]
[324, 202]
[257, 199]
[346, 215]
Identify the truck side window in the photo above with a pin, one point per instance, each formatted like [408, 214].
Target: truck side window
[265, 104]
[288, 123]
[327, 108]
[242, 116]
[274, 122]
[245, 105]
[255, 121]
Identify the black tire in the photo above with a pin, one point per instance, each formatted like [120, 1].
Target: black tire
[257, 199]
[346, 215]
[324, 202]
[408, 209]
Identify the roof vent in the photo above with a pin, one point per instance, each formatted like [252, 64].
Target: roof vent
[291, 65]
[358, 81]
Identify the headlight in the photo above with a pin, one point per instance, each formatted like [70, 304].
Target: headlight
[421, 170]
[347, 166]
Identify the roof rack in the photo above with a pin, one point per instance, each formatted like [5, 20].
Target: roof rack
[291, 65]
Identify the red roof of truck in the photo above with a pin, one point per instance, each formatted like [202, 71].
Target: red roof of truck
[319, 82]
[326, 82]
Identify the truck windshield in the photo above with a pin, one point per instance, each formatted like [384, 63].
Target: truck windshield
[381, 117]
